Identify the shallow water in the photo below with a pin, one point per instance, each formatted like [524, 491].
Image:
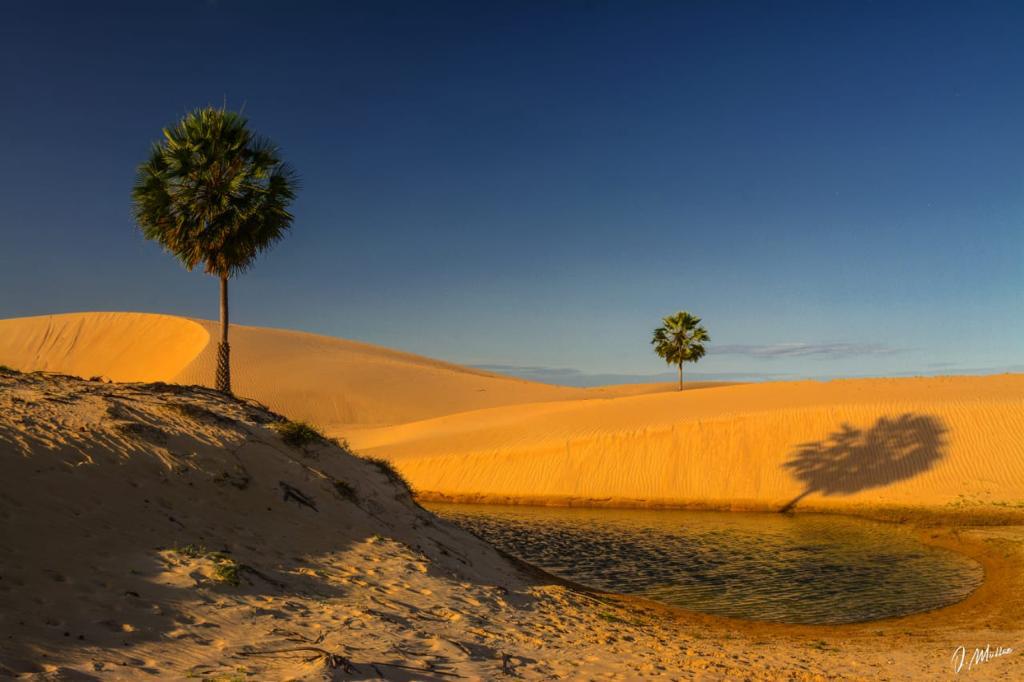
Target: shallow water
[804, 568]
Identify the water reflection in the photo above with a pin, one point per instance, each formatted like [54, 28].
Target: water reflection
[794, 569]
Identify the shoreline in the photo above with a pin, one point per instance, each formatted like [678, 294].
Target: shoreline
[976, 534]
[975, 515]
[989, 604]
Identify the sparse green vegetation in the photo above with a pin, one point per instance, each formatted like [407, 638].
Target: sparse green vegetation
[345, 490]
[299, 434]
[8, 370]
[225, 570]
[341, 443]
[389, 470]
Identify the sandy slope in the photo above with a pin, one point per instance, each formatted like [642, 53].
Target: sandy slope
[918, 442]
[115, 498]
[163, 531]
[333, 382]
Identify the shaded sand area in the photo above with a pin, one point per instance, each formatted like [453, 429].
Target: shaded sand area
[156, 530]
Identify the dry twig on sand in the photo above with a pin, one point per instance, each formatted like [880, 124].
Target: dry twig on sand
[293, 493]
[335, 661]
[331, 660]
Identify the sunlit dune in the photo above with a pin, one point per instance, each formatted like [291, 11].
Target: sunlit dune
[117, 346]
[245, 551]
[333, 382]
[462, 433]
[922, 441]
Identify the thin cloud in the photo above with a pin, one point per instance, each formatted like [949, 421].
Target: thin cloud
[568, 376]
[530, 369]
[801, 350]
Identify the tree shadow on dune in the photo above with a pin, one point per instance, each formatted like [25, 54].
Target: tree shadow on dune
[850, 460]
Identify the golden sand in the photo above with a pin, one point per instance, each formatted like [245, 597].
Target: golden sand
[925, 441]
[122, 504]
[465, 434]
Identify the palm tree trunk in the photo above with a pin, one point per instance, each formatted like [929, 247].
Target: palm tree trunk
[223, 350]
[680, 376]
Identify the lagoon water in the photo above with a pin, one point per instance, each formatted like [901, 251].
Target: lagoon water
[803, 568]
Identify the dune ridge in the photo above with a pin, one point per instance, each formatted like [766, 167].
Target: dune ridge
[118, 346]
[335, 383]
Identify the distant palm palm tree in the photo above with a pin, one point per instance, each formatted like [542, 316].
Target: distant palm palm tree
[680, 339]
[214, 194]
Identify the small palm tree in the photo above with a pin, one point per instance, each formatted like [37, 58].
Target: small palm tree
[214, 194]
[680, 339]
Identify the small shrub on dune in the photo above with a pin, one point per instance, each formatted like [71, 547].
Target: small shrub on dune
[389, 470]
[299, 434]
[225, 569]
[345, 490]
[191, 551]
[341, 443]
[7, 370]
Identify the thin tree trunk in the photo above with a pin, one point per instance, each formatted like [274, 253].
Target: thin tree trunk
[223, 349]
[680, 376]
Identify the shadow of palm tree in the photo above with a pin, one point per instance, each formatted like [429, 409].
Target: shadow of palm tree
[850, 460]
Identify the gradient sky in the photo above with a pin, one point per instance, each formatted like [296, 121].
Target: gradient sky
[836, 188]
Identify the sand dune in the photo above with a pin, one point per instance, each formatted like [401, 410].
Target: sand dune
[333, 382]
[155, 531]
[118, 346]
[948, 441]
[168, 531]
[462, 433]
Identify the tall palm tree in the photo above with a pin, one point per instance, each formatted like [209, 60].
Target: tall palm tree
[680, 339]
[214, 194]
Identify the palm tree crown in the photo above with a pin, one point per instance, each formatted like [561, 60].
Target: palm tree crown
[214, 194]
[680, 339]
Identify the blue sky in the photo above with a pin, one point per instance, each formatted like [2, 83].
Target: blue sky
[836, 188]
